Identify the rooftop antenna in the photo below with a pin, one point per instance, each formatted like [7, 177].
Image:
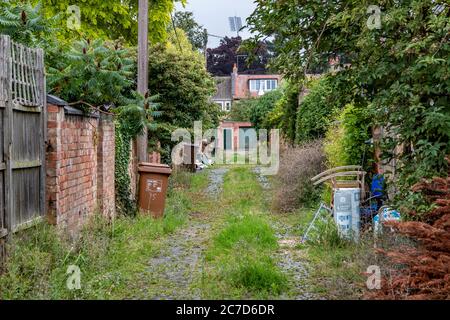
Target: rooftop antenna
[235, 24]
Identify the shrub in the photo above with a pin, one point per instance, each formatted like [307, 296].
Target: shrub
[334, 146]
[284, 114]
[293, 186]
[315, 113]
[424, 271]
[263, 107]
[241, 110]
[345, 141]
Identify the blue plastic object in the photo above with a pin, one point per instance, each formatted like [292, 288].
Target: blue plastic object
[377, 186]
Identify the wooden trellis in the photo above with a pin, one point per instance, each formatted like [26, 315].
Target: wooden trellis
[22, 136]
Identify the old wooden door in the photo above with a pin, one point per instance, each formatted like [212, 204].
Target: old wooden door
[22, 136]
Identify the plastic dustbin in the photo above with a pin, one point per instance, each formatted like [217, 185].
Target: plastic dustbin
[153, 183]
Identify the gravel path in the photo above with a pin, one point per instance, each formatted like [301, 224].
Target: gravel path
[216, 181]
[173, 272]
[290, 258]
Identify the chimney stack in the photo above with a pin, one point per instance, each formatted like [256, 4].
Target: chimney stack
[235, 69]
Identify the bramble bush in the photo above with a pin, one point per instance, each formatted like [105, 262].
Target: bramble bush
[293, 187]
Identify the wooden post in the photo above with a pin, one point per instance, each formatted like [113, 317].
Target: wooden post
[142, 140]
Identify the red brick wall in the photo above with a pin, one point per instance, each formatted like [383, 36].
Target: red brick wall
[105, 166]
[80, 167]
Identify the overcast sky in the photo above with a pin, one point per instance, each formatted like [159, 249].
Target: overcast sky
[213, 15]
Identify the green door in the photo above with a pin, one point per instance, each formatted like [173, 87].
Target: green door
[227, 139]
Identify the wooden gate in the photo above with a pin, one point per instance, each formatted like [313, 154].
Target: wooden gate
[22, 136]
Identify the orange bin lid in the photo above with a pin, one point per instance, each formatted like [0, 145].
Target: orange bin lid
[154, 168]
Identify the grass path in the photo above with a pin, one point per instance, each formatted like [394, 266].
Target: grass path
[171, 273]
[218, 240]
[231, 247]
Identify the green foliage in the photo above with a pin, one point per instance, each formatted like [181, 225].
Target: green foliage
[111, 19]
[333, 146]
[284, 115]
[346, 139]
[399, 71]
[244, 244]
[242, 110]
[138, 114]
[248, 228]
[25, 24]
[95, 72]
[263, 107]
[356, 125]
[315, 111]
[259, 274]
[197, 35]
[182, 82]
[179, 77]
[256, 110]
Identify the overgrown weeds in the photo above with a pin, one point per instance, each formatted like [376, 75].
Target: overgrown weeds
[338, 267]
[293, 187]
[111, 255]
[240, 262]
[244, 251]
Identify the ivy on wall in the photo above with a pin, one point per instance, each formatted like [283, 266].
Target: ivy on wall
[124, 201]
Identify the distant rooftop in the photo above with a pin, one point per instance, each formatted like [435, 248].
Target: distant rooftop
[223, 88]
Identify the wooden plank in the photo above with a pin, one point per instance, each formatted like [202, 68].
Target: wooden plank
[2, 111]
[28, 224]
[7, 138]
[43, 137]
[26, 191]
[26, 164]
[26, 134]
[2, 202]
[23, 108]
[3, 82]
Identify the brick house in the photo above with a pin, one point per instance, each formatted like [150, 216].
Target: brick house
[243, 86]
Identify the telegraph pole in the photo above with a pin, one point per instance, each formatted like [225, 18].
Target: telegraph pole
[142, 85]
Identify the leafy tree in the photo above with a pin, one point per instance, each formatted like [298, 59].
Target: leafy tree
[178, 75]
[399, 70]
[316, 110]
[197, 35]
[222, 59]
[94, 73]
[265, 104]
[25, 24]
[111, 19]
[255, 110]
[289, 104]
[241, 110]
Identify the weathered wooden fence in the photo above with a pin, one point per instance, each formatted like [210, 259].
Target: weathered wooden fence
[22, 136]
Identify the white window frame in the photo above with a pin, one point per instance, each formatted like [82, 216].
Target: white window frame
[255, 85]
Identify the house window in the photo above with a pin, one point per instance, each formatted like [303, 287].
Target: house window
[220, 104]
[263, 84]
[227, 106]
